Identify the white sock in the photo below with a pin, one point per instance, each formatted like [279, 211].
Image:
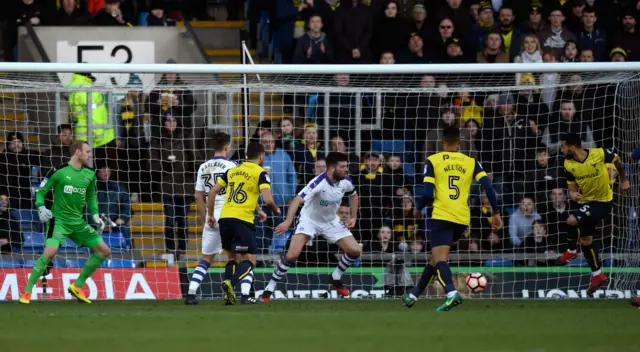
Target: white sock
[271, 286]
[596, 273]
[193, 287]
[245, 284]
[345, 262]
[451, 294]
[572, 251]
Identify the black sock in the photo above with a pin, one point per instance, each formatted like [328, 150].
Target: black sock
[445, 276]
[230, 269]
[592, 257]
[427, 275]
[243, 269]
[572, 237]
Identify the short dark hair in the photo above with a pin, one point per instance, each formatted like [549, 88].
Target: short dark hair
[254, 149]
[542, 150]
[64, 126]
[589, 9]
[451, 135]
[77, 145]
[316, 14]
[221, 140]
[571, 139]
[528, 195]
[334, 158]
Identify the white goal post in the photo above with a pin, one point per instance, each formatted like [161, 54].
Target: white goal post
[387, 116]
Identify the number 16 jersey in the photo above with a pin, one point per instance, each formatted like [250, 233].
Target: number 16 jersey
[452, 173]
[208, 174]
[243, 185]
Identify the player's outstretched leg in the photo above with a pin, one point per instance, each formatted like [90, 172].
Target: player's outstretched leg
[352, 253]
[286, 261]
[196, 278]
[100, 252]
[446, 280]
[245, 289]
[39, 268]
[429, 272]
[229, 294]
[598, 278]
[573, 233]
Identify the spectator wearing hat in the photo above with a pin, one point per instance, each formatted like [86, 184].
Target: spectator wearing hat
[70, 13]
[479, 31]
[390, 30]
[618, 55]
[570, 52]
[157, 17]
[354, 31]
[591, 35]
[511, 36]
[454, 53]
[110, 15]
[17, 166]
[171, 100]
[376, 194]
[529, 103]
[557, 35]
[173, 161]
[418, 25]
[415, 53]
[628, 38]
[492, 53]
[314, 47]
[534, 23]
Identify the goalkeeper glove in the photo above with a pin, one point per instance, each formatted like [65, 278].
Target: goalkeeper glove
[98, 221]
[44, 214]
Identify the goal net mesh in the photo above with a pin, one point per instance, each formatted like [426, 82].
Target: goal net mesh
[150, 133]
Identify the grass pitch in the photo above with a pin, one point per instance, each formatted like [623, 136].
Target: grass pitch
[350, 326]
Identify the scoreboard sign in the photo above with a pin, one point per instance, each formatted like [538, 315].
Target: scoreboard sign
[114, 52]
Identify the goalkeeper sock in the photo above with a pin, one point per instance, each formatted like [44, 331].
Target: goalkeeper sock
[243, 270]
[198, 274]
[230, 269]
[573, 232]
[89, 268]
[245, 284]
[427, 276]
[38, 269]
[592, 257]
[278, 273]
[445, 277]
[345, 262]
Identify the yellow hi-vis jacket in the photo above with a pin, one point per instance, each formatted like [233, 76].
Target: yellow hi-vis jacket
[101, 134]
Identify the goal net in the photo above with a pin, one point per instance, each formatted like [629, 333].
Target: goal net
[151, 126]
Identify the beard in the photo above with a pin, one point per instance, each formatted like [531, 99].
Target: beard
[336, 176]
[628, 26]
[569, 156]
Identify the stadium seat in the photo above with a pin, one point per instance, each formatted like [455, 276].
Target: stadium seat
[29, 220]
[33, 241]
[142, 19]
[115, 241]
[408, 169]
[57, 263]
[118, 263]
[312, 104]
[498, 262]
[392, 146]
[11, 264]
[578, 263]
[75, 263]
[609, 262]
[278, 243]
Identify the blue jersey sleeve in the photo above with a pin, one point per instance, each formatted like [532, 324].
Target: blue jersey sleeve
[609, 156]
[429, 185]
[636, 154]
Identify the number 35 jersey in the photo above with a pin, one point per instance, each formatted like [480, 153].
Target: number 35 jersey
[208, 174]
[243, 185]
[452, 173]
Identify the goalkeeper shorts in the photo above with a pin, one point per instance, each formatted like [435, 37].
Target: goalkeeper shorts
[81, 233]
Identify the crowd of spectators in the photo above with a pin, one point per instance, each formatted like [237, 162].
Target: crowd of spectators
[515, 134]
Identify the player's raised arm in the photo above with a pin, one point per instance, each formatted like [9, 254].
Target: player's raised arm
[610, 157]
[481, 176]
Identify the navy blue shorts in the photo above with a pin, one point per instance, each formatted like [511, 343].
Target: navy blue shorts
[238, 236]
[590, 215]
[444, 233]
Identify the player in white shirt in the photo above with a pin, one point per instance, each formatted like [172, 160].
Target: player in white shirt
[208, 175]
[319, 216]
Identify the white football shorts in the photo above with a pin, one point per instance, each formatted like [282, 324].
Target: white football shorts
[332, 232]
[211, 242]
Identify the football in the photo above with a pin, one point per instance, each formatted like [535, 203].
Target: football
[476, 282]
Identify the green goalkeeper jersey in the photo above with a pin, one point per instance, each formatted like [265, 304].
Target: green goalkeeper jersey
[72, 188]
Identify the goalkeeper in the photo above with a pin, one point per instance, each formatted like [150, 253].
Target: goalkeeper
[73, 185]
